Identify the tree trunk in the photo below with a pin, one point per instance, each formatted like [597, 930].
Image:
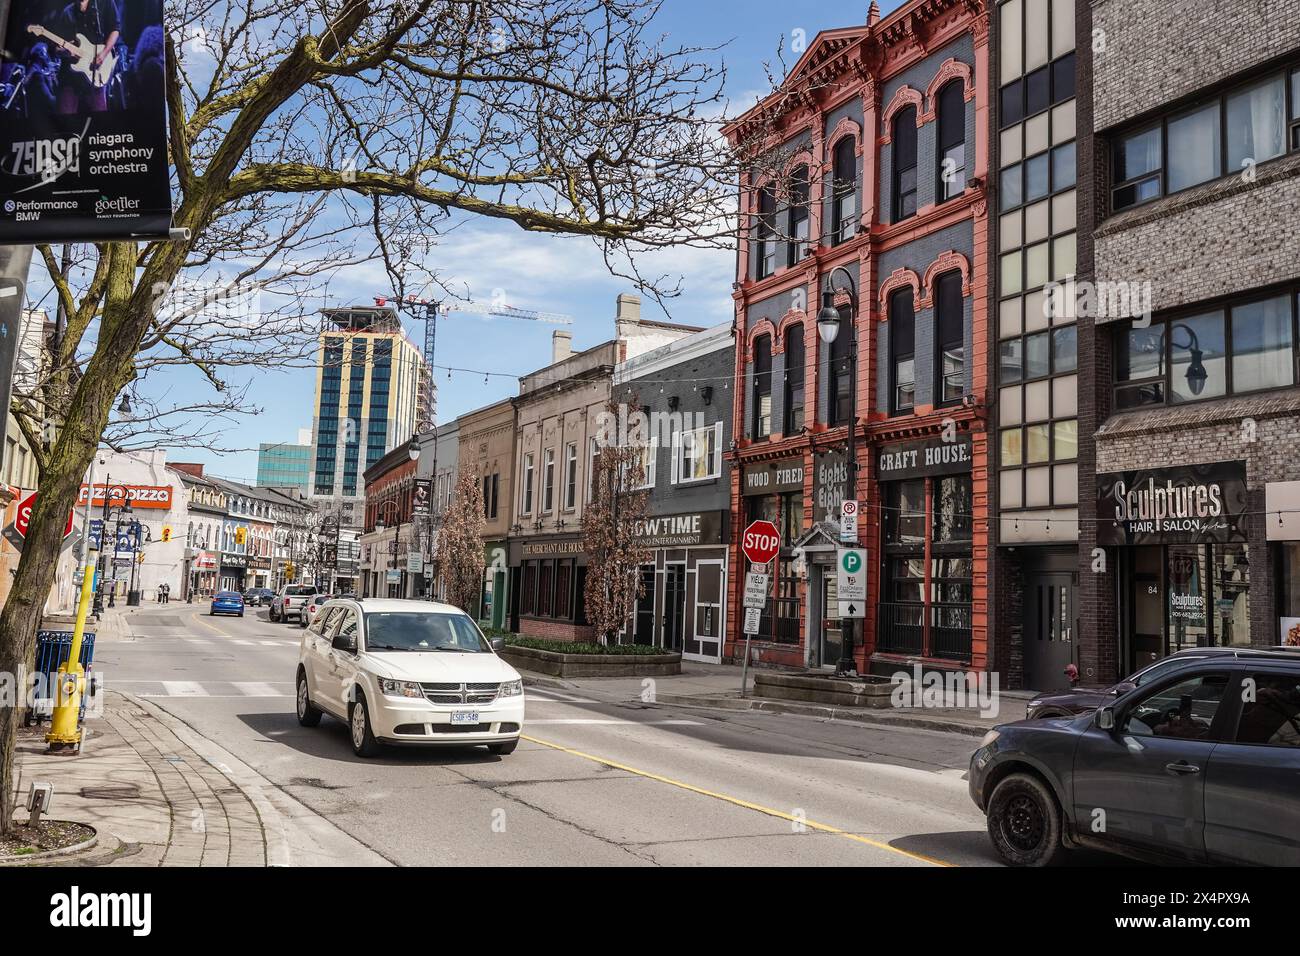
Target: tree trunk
[106, 374]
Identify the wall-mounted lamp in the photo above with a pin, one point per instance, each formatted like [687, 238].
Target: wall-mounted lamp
[707, 394]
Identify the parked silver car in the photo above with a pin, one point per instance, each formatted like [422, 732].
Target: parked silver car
[290, 602]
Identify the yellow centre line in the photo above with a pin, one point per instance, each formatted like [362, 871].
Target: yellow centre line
[736, 801]
[195, 615]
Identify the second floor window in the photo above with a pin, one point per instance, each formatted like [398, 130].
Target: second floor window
[762, 387]
[766, 245]
[841, 378]
[491, 486]
[951, 154]
[571, 475]
[528, 484]
[548, 481]
[902, 348]
[950, 339]
[794, 380]
[844, 199]
[904, 138]
[799, 196]
[697, 454]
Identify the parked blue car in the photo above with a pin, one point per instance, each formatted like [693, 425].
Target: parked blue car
[227, 602]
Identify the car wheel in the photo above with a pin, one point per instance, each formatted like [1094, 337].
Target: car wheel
[308, 715]
[1024, 821]
[502, 749]
[212, 613]
[364, 743]
[273, 617]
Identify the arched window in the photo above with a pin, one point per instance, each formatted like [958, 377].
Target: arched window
[904, 139]
[902, 351]
[844, 195]
[765, 246]
[950, 337]
[762, 386]
[951, 154]
[793, 416]
[798, 247]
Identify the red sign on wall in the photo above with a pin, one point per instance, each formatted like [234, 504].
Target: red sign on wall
[140, 496]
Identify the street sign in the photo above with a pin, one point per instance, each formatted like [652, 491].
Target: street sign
[848, 521]
[851, 582]
[752, 616]
[414, 563]
[756, 589]
[760, 542]
[393, 576]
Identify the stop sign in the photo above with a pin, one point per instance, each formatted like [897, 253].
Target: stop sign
[23, 520]
[760, 542]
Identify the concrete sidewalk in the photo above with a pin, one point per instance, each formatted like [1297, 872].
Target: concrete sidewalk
[159, 794]
[717, 686]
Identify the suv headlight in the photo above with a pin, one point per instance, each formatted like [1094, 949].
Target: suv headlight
[991, 736]
[511, 688]
[399, 688]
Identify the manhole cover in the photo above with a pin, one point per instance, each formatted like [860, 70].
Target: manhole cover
[123, 792]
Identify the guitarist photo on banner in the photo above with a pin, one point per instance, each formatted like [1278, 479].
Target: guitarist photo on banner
[83, 149]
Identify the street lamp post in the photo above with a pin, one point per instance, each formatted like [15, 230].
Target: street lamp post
[828, 328]
[103, 532]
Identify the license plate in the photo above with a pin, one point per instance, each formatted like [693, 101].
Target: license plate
[464, 716]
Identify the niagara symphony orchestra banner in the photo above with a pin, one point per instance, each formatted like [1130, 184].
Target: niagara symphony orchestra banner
[83, 122]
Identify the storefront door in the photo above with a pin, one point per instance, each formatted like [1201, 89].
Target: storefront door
[674, 606]
[831, 636]
[704, 643]
[1048, 628]
[645, 609]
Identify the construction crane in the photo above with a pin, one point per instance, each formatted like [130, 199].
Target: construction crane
[431, 309]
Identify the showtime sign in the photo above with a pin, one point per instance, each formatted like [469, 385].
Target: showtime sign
[760, 542]
[140, 496]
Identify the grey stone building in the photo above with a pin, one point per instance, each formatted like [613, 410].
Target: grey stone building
[684, 390]
[1189, 411]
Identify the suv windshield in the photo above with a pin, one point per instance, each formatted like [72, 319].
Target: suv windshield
[416, 631]
[300, 590]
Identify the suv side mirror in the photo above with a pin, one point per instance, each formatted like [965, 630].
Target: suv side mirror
[498, 644]
[1105, 718]
[345, 642]
[1122, 688]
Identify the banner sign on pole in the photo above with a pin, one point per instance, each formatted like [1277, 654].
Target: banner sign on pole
[752, 617]
[83, 151]
[420, 502]
[851, 582]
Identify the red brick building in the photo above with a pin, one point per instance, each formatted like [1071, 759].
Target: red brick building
[874, 165]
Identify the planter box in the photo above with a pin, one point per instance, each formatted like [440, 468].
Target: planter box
[868, 691]
[557, 664]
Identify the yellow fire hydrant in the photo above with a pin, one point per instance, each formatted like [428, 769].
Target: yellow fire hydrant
[65, 729]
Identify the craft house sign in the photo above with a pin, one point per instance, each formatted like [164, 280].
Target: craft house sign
[922, 459]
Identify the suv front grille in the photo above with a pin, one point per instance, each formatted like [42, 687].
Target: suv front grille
[460, 693]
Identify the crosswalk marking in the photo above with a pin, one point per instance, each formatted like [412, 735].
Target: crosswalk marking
[583, 721]
[256, 689]
[195, 640]
[243, 643]
[553, 695]
[184, 688]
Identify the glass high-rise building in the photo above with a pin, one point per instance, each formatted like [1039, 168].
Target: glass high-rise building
[285, 465]
[372, 386]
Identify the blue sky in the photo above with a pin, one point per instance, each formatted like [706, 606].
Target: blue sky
[542, 272]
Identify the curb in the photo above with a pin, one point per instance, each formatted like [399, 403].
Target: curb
[554, 682]
[87, 844]
[824, 713]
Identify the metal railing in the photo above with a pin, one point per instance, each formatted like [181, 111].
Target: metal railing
[901, 630]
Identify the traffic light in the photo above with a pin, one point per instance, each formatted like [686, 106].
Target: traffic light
[166, 533]
[240, 534]
[289, 570]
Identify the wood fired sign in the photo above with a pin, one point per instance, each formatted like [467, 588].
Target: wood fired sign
[1193, 504]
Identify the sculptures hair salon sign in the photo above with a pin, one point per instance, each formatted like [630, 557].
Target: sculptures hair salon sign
[1193, 504]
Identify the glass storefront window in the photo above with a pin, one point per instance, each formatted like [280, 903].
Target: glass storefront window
[1232, 594]
[1209, 596]
[1288, 583]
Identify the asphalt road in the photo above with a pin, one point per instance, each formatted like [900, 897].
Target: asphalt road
[594, 783]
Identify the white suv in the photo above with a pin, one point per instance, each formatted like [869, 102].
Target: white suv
[407, 672]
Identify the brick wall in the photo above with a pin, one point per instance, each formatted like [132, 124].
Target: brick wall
[1158, 51]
